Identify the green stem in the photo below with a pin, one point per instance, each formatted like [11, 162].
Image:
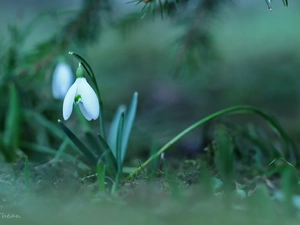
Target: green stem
[116, 183]
[231, 110]
[101, 176]
[101, 118]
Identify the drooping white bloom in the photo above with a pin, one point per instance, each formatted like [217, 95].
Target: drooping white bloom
[81, 93]
[62, 80]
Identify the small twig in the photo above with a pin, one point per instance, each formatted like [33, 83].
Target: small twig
[88, 177]
[95, 175]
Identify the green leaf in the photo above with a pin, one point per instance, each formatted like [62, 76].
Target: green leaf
[84, 63]
[94, 144]
[269, 4]
[12, 123]
[31, 115]
[61, 149]
[166, 167]
[104, 144]
[285, 3]
[46, 150]
[11, 135]
[224, 155]
[167, 6]
[128, 169]
[9, 156]
[153, 6]
[111, 163]
[113, 132]
[242, 109]
[153, 149]
[119, 142]
[261, 204]
[289, 149]
[86, 152]
[289, 184]
[37, 148]
[116, 184]
[161, 9]
[129, 120]
[259, 140]
[101, 176]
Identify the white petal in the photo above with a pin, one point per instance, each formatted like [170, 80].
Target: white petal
[89, 98]
[84, 112]
[62, 80]
[69, 100]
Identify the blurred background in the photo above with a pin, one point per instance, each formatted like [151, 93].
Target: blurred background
[202, 56]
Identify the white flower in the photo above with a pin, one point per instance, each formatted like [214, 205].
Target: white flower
[81, 93]
[62, 80]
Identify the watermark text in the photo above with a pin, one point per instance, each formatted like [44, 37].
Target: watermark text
[9, 216]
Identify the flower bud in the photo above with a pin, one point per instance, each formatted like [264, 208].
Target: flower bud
[62, 80]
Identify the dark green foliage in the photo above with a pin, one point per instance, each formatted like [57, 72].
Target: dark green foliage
[223, 148]
[85, 26]
[11, 135]
[101, 176]
[119, 142]
[83, 149]
[290, 185]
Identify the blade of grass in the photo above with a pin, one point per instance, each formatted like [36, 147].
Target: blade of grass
[51, 151]
[101, 176]
[128, 170]
[86, 152]
[37, 148]
[111, 162]
[115, 185]
[228, 111]
[258, 141]
[153, 6]
[161, 9]
[289, 184]
[153, 149]
[95, 144]
[129, 120]
[224, 156]
[166, 167]
[119, 142]
[61, 149]
[31, 115]
[113, 132]
[12, 122]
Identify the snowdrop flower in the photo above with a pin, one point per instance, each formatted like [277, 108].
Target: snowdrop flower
[81, 93]
[62, 80]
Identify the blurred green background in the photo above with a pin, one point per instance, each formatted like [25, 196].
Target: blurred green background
[249, 56]
[203, 57]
